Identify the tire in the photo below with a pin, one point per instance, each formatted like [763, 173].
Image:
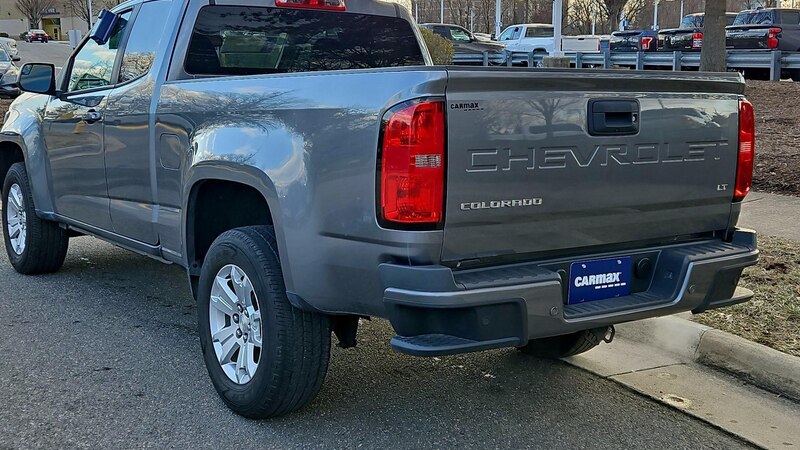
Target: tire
[43, 246]
[291, 363]
[566, 345]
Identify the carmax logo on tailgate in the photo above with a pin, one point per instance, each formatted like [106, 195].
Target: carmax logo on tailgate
[600, 281]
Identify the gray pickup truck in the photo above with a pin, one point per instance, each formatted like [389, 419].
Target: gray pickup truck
[309, 168]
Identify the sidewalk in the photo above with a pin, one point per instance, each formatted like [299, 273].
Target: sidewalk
[772, 214]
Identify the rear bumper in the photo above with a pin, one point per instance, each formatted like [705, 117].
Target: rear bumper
[436, 311]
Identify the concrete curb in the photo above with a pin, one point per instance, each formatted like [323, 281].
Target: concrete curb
[693, 342]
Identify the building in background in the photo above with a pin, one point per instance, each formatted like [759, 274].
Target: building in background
[56, 21]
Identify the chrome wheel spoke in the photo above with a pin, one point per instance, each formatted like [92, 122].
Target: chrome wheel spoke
[15, 219]
[227, 349]
[224, 334]
[235, 324]
[255, 328]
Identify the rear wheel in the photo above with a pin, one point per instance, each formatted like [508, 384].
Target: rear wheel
[265, 357]
[569, 344]
[33, 245]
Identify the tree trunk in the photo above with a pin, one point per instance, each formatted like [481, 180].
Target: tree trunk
[713, 55]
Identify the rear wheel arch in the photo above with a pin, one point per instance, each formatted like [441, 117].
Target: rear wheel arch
[217, 204]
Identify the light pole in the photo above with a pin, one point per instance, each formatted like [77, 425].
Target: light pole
[498, 11]
[557, 13]
[441, 12]
[91, 16]
[655, 15]
[594, 16]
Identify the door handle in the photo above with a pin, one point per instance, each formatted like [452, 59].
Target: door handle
[92, 116]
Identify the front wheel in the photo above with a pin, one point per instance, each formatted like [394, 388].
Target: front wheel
[265, 357]
[33, 245]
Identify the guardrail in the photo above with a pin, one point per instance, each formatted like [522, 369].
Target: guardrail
[774, 61]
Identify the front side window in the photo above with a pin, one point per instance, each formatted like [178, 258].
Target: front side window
[140, 51]
[506, 35]
[240, 40]
[93, 65]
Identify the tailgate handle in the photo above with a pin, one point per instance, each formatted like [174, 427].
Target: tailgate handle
[613, 117]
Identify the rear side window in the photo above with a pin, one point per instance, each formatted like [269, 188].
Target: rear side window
[693, 21]
[753, 18]
[790, 18]
[539, 32]
[239, 40]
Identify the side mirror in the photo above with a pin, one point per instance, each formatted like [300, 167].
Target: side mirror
[101, 32]
[16, 58]
[38, 78]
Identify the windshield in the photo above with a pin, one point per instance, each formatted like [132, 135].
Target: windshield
[459, 34]
[3, 56]
[37, 31]
[753, 18]
[693, 21]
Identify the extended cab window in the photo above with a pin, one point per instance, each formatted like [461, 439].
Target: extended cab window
[140, 51]
[539, 32]
[238, 40]
[93, 65]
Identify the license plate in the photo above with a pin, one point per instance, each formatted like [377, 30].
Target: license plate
[599, 279]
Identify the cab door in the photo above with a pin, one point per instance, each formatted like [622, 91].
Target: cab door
[130, 161]
[73, 132]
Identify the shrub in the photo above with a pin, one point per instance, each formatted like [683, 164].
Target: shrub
[441, 49]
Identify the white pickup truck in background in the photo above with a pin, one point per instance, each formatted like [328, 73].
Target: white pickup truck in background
[538, 38]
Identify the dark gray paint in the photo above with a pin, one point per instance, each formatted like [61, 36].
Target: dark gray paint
[308, 143]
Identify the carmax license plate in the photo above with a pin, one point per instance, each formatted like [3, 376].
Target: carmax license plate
[600, 279]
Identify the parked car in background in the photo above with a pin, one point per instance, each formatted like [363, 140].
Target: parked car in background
[634, 41]
[689, 36]
[532, 37]
[8, 76]
[464, 43]
[10, 46]
[37, 35]
[765, 29]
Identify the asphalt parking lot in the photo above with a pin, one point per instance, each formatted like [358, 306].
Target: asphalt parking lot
[105, 353]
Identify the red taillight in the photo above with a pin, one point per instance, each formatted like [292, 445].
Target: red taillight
[697, 39]
[772, 37]
[328, 5]
[747, 149]
[411, 168]
[646, 42]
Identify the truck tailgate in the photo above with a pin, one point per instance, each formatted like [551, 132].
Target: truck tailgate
[525, 176]
[748, 36]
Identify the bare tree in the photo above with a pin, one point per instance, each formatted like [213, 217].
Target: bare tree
[80, 9]
[713, 55]
[34, 10]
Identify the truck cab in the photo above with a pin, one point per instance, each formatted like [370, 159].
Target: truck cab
[533, 37]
